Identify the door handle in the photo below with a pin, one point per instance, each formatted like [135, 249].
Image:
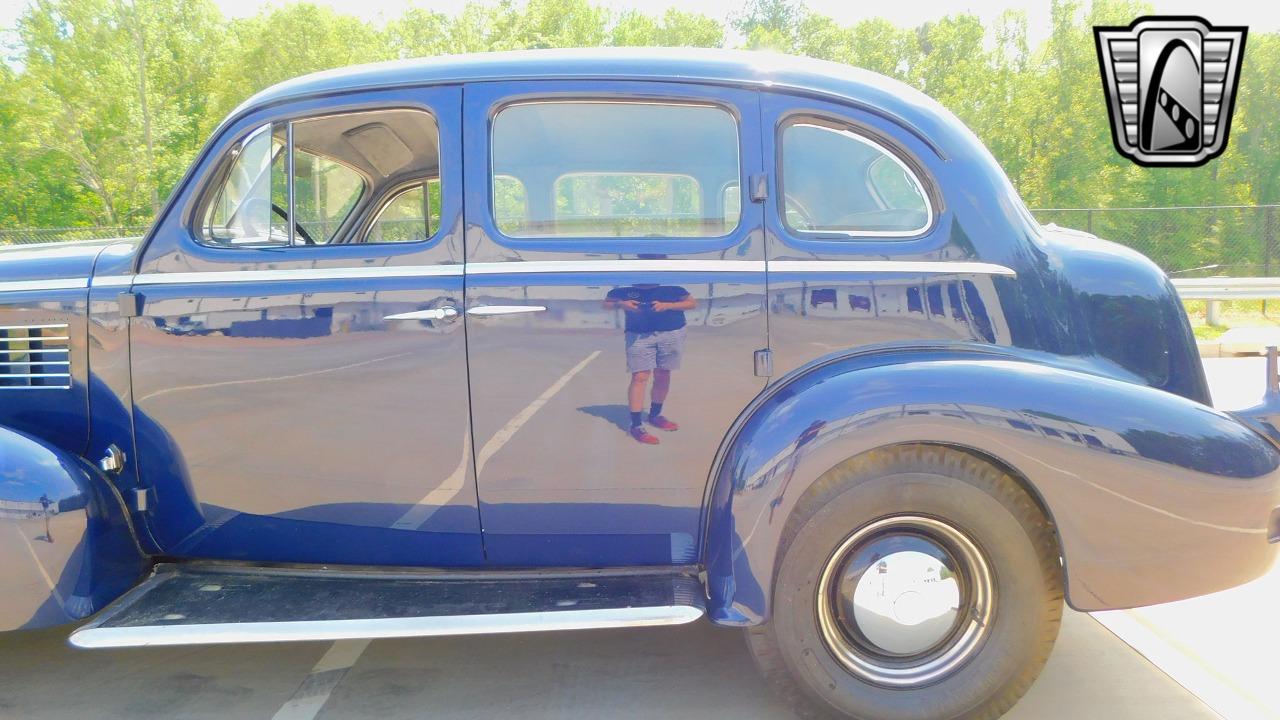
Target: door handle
[483, 311]
[440, 313]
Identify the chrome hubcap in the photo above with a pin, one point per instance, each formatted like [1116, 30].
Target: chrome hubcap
[905, 601]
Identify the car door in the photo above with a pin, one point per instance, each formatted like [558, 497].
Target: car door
[613, 251]
[299, 373]
[862, 248]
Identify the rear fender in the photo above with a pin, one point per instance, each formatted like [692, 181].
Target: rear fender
[67, 544]
[1154, 497]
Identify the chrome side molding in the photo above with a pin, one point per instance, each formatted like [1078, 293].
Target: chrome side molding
[530, 267]
[220, 633]
[492, 310]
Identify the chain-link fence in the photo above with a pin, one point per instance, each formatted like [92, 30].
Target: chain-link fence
[31, 236]
[1231, 240]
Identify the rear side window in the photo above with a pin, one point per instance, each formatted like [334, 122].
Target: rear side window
[836, 180]
[614, 169]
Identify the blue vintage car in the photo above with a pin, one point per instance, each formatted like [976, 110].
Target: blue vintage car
[587, 339]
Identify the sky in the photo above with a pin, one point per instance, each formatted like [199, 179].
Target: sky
[1259, 15]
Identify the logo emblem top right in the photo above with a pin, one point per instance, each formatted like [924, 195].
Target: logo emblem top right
[1170, 84]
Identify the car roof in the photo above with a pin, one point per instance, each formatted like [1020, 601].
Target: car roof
[870, 90]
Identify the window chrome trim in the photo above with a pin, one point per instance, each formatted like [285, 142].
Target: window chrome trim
[854, 131]
[597, 99]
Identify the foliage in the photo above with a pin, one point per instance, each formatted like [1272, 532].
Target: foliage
[105, 102]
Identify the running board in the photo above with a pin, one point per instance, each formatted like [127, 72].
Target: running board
[194, 604]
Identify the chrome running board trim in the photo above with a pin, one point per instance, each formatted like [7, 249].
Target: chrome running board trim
[221, 633]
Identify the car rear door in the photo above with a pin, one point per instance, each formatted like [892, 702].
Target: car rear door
[300, 389]
[612, 247]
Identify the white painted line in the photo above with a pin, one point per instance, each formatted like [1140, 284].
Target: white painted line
[250, 381]
[315, 689]
[53, 588]
[1184, 666]
[442, 495]
[514, 424]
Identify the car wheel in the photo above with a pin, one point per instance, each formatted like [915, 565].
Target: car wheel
[915, 582]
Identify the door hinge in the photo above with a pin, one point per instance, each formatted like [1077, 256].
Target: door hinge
[759, 187]
[130, 304]
[764, 363]
[113, 461]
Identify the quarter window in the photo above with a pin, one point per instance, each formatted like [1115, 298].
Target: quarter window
[614, 169]
[836, 180]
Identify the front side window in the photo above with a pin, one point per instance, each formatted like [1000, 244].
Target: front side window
[335, 170]
[614, 169]
[836, 180]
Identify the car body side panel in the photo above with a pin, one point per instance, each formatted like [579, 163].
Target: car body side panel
[67, 546]
[1150, 492]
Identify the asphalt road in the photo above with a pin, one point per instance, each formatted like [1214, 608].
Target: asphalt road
[695, 671]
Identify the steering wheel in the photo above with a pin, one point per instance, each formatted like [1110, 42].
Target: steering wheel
[247, 211]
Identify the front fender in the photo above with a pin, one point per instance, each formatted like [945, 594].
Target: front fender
[67, 546]
[1154, 497]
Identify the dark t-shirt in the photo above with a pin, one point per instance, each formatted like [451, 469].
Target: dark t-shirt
[646, 319]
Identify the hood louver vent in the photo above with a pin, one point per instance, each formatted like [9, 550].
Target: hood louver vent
[35, 356]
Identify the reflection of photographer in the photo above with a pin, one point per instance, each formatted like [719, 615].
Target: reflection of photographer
[655, 340]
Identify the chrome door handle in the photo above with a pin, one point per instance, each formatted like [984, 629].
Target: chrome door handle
[440, 313]
[491, 310]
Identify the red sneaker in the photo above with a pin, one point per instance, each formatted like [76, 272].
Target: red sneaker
[642, 435]
[662, 423]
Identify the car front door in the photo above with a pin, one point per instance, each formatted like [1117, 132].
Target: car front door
[615, 302]
[299, 371]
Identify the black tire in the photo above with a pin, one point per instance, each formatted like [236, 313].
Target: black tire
[1015, 538]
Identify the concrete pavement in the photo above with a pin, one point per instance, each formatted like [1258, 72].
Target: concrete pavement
[697, 671]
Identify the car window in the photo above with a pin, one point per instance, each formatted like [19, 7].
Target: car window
[409, 215]
[510, 204]
[338, 171]
[836, 180]
[614, 169]
[324, 194]
[240, 212]
[618, 204]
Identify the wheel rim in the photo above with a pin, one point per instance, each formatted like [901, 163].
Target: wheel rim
[906, 601]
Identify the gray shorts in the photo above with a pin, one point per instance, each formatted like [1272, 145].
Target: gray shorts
[661, 350]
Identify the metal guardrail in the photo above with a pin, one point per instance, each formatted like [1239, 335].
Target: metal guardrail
[1223, 288]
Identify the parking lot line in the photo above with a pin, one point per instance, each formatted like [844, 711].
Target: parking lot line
[513, 425]
[313, 693]
[441, 496]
